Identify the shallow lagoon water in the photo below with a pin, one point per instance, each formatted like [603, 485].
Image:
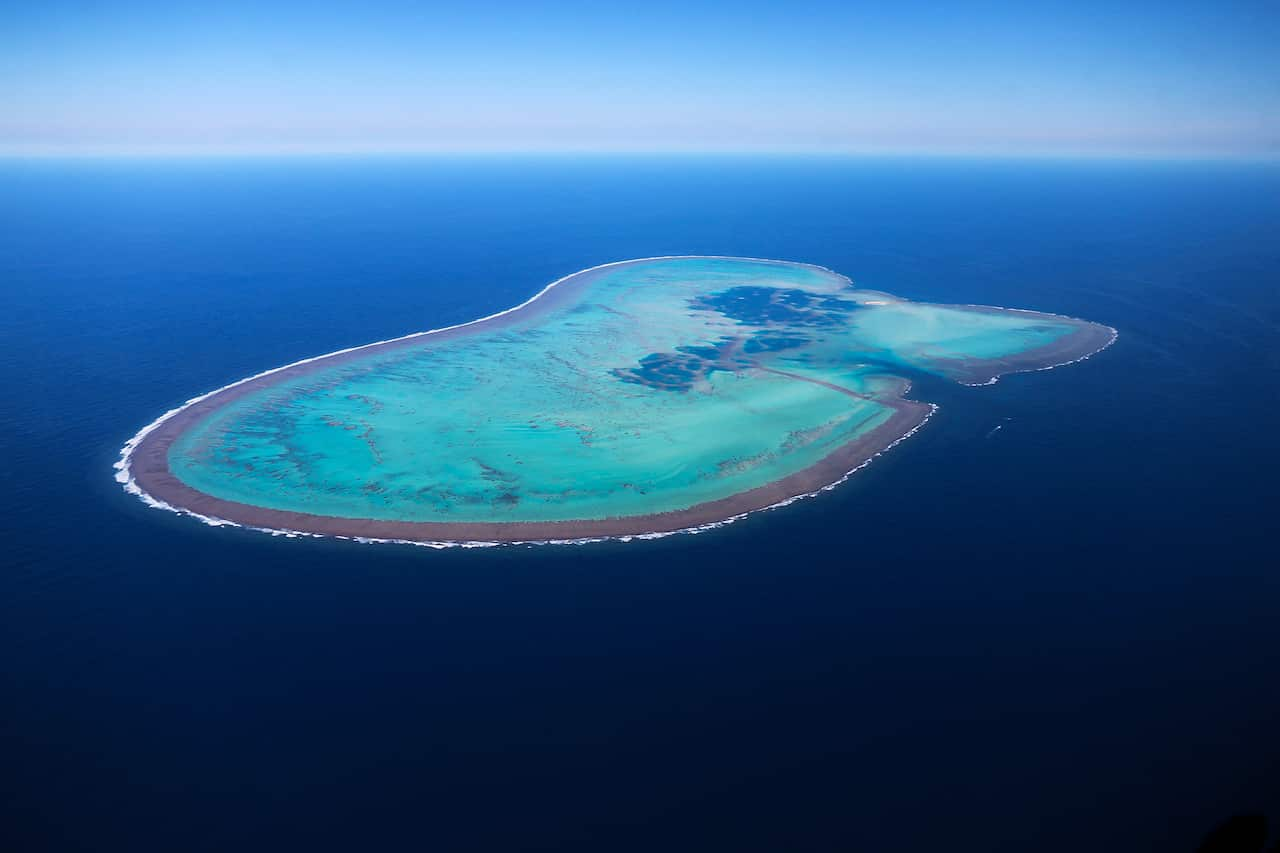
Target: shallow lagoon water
[644, 387]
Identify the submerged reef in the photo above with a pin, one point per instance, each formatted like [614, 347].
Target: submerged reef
[637, 398]
[755, 305]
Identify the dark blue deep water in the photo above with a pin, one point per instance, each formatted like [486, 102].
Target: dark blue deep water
[1062, 636]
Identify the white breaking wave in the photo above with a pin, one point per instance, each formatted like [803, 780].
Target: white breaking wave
[124, 472]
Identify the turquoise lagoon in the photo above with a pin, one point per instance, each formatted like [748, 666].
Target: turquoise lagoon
[629, 390]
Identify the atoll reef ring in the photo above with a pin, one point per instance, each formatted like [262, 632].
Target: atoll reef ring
[636, 398]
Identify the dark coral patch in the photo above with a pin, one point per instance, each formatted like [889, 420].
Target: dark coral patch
[677, 371]
[762, 306]
[667, 371]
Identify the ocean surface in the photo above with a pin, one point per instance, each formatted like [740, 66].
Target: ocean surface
[1046, 622]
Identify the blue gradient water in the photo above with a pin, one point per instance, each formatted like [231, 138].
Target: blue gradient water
[1056, 635]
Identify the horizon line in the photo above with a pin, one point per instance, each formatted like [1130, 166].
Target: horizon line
[195, 152]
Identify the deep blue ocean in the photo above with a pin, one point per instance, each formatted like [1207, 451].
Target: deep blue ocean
[1058, 636]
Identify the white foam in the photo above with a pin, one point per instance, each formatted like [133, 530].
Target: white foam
[124, 472]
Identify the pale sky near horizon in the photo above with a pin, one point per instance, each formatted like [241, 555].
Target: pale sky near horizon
[1096, 78]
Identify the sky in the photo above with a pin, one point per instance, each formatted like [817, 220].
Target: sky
[897, 76]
